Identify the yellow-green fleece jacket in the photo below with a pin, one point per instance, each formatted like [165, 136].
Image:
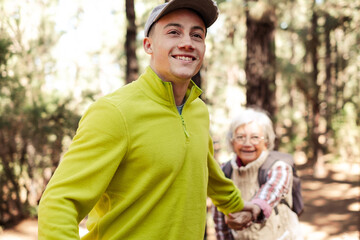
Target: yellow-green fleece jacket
[141, 169]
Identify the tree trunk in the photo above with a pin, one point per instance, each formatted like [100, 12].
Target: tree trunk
[315, 102]
[260, 65]
[329, 79]
[132, 67]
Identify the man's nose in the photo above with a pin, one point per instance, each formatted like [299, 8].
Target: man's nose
[186, 43]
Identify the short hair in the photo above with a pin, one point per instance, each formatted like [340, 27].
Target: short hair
[258, 116]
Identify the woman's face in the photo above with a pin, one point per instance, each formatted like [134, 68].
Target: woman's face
[248, 142]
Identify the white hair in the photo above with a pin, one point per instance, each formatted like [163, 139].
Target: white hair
[258, 116]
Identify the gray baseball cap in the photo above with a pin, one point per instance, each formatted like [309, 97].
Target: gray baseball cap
[207, 10]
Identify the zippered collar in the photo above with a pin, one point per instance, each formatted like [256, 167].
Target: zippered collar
[161, 91]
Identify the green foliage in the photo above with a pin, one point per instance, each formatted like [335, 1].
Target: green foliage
[347, 134]
[31, 135]
[33, 122]
[4, 46]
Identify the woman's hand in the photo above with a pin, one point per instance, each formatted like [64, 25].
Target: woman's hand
[253, 208]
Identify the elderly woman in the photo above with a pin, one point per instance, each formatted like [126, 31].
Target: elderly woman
[251, 137]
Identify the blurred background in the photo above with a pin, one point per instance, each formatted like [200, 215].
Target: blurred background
[297, 59]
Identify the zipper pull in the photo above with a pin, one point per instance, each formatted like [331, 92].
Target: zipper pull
[184, 126]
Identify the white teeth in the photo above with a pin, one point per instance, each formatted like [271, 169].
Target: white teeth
[184, 58]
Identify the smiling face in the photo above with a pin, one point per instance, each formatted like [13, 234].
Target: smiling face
[177, 46]
[247, 151]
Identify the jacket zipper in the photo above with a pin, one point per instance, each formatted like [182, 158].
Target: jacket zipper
[184, 126]
[181, 117]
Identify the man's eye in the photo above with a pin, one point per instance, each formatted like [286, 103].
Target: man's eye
[197, 36]
[173, 32]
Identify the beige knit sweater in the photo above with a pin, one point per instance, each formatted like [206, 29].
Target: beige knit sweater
[283, 225]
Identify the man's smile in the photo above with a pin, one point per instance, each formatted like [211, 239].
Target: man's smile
[184, 58]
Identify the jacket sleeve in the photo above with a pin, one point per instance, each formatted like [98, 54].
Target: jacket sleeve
[222, 191]
[84, 172]
[277, 185]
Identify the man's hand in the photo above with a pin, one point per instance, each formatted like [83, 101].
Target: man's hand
[239, 220]
[243, 219]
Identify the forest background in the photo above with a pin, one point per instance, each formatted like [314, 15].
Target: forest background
[297, 59]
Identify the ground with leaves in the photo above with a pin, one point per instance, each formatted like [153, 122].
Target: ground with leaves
[331, 207]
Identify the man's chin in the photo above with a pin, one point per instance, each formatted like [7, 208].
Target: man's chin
[185, 73]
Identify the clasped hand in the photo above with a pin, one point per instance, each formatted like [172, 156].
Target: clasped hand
[243, 219]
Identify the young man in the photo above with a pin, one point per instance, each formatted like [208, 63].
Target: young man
[141, 164]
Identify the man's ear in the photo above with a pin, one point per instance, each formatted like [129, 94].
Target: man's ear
[147, 44]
